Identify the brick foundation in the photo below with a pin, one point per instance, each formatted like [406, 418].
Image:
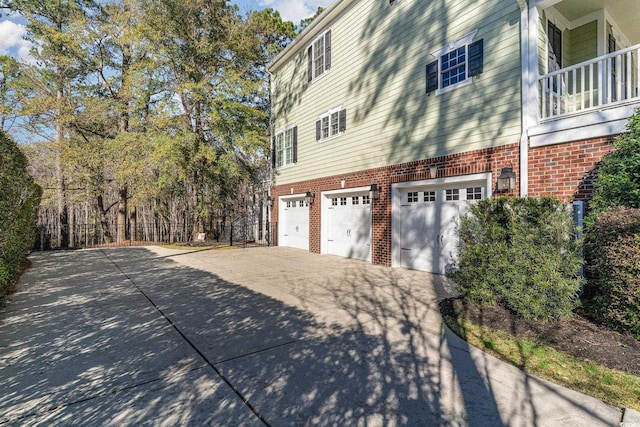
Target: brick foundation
[472, 162]
[566, 170]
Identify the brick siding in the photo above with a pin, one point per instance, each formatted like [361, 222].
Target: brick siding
[566, 170]
[472, 162]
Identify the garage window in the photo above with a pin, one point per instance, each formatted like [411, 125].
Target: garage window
[474, 193]
[343, 201]
[355, 200]
[366, 200]
[412, 196]
[453, 194]
[429, 196]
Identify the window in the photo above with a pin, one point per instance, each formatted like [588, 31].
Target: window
[334, 202]
[355, 200]
[366, 200]
[319, 56]
[429, 196]
[285, 147]
[331, 124]
[453, 194]
[412, 196]
[474, 193]
[343, 201]
[455, 65]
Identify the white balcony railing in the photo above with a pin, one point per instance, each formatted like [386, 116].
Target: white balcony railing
[608, 80]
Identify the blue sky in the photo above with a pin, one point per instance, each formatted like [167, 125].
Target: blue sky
[12, 28]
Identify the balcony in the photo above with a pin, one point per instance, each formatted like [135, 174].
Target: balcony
[607, 81]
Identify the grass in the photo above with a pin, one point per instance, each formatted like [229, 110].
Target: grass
[614, 387]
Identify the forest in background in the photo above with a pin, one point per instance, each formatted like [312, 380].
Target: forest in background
[142, 116]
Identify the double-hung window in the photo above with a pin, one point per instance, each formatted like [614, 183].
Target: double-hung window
[331, 124]
[285, 147]
[455, 64]
[319, 56]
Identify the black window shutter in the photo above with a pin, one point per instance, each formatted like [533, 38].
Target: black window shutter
[318, 133]
[476, 53]
[273, 152]
[295, 144]
[432, 76]
[327, 50]
[310, 64]
[342, 120]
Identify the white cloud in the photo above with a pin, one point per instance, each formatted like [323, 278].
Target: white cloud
[12, 42]
[295, 10]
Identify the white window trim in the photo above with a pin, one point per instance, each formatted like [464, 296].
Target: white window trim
[464, 41]
[282, 131]
[328, 114]
[324, 59]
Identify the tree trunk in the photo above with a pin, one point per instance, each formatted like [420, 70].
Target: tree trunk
[61, 188]
[121, 235]
[133, 224]
[104, 223]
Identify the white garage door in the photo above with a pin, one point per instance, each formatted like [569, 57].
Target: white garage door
[428, 221]
[348, 225]
[294, 224]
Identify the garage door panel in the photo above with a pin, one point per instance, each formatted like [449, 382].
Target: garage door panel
[428, 225]
[349, 227]
[294, 220]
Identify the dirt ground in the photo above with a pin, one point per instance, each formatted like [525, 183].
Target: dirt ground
[576, 336]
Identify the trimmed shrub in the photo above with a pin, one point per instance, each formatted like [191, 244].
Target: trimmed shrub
[617, 182]
[19, 200]
[613, 249]
[521, 254]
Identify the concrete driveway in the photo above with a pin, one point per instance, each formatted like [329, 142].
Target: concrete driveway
[275, 336]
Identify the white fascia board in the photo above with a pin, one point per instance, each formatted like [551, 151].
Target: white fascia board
[311, 32]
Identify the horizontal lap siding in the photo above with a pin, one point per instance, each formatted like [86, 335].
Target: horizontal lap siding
[584, 43]
[381, 83]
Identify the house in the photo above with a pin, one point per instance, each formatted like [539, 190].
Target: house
[390, 117]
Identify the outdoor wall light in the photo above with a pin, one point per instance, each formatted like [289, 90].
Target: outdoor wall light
[309, 197]
[374, 192]
[507, 179]
[269, 201]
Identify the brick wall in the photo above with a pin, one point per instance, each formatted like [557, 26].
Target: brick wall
[566, 170]
[478, 161]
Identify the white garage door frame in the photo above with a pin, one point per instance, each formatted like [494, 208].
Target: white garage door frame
[325, 201]
[282, 205]
[397, 191]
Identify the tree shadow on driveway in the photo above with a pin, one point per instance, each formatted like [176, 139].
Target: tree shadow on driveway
[90, 348]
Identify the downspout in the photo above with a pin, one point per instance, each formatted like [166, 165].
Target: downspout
[271, 133]
[524, 93]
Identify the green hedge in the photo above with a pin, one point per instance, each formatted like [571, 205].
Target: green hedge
[613, 249]
[19, 200]
[617, 181]
[521, 254]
